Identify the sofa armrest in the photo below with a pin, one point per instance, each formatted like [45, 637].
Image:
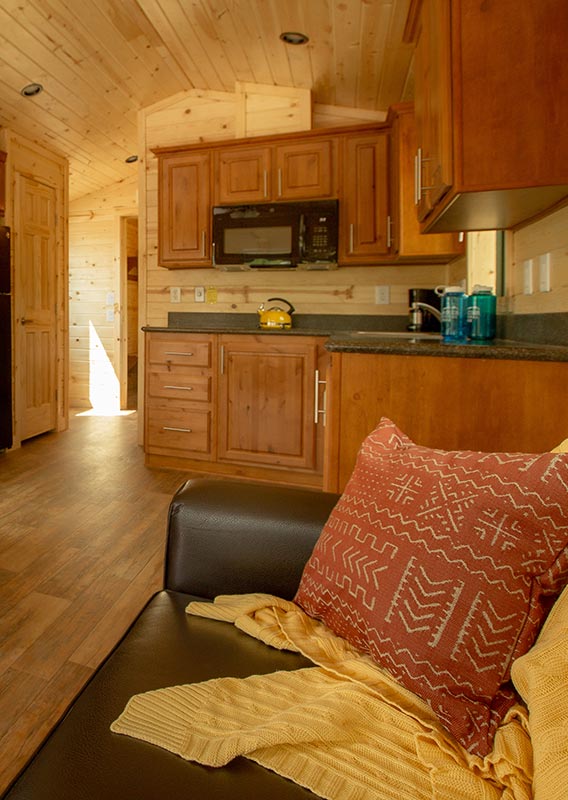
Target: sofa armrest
[230, 537]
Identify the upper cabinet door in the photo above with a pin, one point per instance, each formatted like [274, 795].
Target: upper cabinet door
[242, 175]
[184, 238]
[305, 170]
[364, 200]
[433, 106]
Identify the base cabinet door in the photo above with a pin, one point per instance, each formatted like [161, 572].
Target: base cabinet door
[266, 400]
[413, 392]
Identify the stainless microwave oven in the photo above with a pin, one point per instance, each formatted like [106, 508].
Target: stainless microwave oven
[300, 235]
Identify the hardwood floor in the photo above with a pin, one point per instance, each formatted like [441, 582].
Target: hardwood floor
[82, 531]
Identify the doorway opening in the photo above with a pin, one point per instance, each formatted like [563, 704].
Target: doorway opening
[129, 286]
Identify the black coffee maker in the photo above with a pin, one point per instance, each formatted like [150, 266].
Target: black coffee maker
[422, 318]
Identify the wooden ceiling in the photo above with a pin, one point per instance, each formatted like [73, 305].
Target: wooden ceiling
[100, 61]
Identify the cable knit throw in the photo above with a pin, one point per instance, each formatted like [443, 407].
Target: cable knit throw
[346, 730]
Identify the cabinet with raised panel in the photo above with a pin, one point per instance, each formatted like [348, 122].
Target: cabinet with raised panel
[180, 395]
[250, 405]
[184, 199]
[364, 198]
[303, 169]
[268, 388]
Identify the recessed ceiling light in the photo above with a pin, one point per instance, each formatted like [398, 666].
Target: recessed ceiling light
[31, 90]
[291, 37]
[131, 159]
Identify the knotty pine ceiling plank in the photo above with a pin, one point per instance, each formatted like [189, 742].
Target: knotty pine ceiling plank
[347, 43]
[397, 63]
[182, 41]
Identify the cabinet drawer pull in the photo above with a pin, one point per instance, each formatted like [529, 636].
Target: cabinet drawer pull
[181, 388]
[178, 430]
[173, 353]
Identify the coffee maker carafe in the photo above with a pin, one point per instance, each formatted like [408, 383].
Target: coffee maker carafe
[423, 310]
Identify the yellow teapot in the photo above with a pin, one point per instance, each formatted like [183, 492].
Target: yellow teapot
[275, 317]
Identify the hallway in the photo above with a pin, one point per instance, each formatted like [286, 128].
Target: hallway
[82, 531]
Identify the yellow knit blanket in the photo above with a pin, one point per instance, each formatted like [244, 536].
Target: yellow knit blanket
[346, 730]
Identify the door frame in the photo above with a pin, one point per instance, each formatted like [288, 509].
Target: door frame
[121, 306]
[31, 160]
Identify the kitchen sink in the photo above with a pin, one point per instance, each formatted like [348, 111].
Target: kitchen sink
[407, 336]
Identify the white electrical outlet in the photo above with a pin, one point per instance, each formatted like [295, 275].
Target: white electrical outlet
[382, 295]
[199, 294]
[175, 294]
[544, 272]
[528, 276]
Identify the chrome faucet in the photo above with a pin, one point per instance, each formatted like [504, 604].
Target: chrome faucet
[417, 305]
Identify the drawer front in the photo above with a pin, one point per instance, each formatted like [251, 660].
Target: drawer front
[180, 351]
[179, 384]
[178, 429]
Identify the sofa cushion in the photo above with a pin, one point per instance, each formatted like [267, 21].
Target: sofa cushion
[442, 567]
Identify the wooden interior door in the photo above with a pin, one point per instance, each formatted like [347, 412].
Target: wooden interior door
[35, 299]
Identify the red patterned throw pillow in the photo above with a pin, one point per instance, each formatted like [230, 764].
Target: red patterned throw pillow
[442, 567]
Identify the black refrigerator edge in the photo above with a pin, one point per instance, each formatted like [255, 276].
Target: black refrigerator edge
[5, 341]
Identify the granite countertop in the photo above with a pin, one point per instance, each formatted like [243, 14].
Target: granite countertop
[364, 334]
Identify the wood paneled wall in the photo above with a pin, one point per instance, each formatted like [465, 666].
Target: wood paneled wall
[547, 235]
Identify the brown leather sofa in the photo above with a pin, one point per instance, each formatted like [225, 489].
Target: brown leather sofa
[223, 538]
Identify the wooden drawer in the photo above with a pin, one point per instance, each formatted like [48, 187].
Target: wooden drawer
[178, 430]
[178, 350]
[181, 383]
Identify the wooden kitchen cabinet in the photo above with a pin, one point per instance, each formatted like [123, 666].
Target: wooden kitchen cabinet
[249, 406]
[267, 388]
[184, 200]
[243, 175]
[300, 169]
[306, 169]
[180, 395]
[492, 147]
[364, 197]
[407, 240]
[413, 392]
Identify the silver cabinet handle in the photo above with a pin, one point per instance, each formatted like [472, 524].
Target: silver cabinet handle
[351, 237]
[181, 388]
[222, 360]
[317, 410]
[279, 182]
[389, 232]
[265, 184]
[178, 430]
[174, 353]
[203, 235]
[418, 162]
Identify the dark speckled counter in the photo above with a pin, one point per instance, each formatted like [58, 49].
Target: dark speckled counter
[346, 334]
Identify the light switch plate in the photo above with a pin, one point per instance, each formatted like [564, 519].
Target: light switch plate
[199, 294]
[544, 272]
[528, 276]
[382, 295]
[175, 294]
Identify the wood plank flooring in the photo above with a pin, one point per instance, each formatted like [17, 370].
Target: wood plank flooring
[82, 532]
